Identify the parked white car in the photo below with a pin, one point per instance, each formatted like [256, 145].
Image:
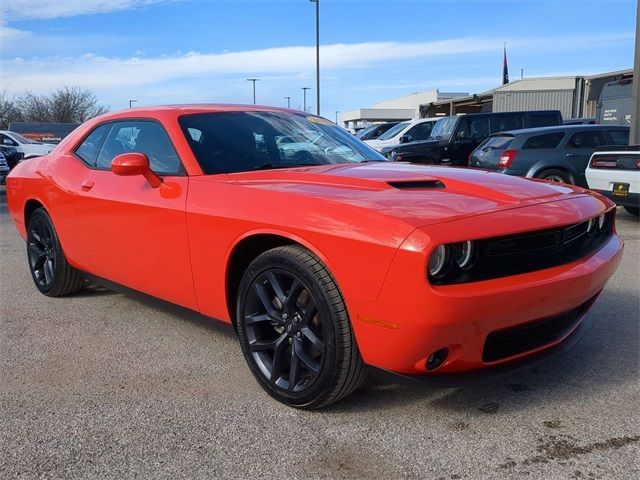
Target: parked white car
[404, 132]
[616, 174]
[30, 148]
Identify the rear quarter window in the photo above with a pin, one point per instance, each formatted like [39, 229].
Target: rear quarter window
[497, 142]
[619, 137]
[548, 140]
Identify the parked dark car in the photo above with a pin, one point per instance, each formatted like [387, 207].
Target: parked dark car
[454, 138]
[374, 131]
[12, 155]
[4, 169]
[559, 154]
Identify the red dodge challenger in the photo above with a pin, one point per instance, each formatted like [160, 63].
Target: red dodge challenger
[326, 258]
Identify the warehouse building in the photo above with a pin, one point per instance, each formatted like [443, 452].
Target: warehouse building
[574, 96]
[395, 109]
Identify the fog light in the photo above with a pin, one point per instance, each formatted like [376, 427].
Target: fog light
[437, 358]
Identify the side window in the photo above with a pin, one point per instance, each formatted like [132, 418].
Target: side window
[589, 139]
[543, 120]
[88, 150]
[619, 137]
[141, 137]
[6, 140]
[504, 123]
[420, 131]
[549, 140]
[474, 129]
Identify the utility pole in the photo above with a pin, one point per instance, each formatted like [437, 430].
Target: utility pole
[304, 90]
[317, 2]
[288, 99]
[337, 112]
[634, 137]
[131, 102]
[254, 80]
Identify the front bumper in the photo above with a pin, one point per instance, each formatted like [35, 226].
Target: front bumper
[412, 319]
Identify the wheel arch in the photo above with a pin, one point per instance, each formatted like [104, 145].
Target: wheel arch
[538, 169]
[247, 248]
[31, 206]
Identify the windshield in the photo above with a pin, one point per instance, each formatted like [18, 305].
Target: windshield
[444, 127]
[229, 142]
[20, 139]
[365, 131]
[393, 131]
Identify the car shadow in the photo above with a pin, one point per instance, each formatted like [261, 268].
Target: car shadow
[606, 358]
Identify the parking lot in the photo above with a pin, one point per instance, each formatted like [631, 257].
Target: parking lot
[106, 385]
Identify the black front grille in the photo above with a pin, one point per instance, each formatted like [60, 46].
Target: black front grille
[528, 252]
[506, 343]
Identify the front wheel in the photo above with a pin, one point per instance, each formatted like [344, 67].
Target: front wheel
[49, 268]
[294, 330]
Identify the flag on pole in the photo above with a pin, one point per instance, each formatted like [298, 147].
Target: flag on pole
[505, 67]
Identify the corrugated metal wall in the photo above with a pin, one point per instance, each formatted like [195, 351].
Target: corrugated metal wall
[517, 100]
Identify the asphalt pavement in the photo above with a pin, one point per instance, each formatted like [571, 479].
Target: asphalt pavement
[108, 385]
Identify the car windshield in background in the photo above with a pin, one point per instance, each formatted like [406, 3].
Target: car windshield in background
[444, 127]
[229, 142]
[393, 131]
[497, 142]
[364, 131]
[22, 139]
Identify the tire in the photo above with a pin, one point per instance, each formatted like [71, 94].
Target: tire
[555, 175]
[294, 330]
[49, 268]
[633, 210]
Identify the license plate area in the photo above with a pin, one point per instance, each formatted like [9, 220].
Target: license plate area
[620, 189]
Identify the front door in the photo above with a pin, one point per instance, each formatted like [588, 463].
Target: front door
[137, 234]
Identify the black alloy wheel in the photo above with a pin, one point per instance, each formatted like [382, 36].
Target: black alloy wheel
[42, 252]
[294, 330]
[49, 268]
[284, 330]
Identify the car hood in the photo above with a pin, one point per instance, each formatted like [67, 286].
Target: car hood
[419, 195]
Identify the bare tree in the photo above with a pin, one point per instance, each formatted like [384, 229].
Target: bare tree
[9, 111]
[74, 105]
[64, 105]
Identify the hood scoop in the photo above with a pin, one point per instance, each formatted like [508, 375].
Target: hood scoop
[416, 184]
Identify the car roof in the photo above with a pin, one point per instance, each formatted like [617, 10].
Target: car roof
[184, 109]
[559, 128]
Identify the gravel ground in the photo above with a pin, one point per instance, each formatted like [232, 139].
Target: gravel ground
[104, 385]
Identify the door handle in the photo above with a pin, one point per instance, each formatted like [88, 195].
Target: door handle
[87, 185]
[571, 154]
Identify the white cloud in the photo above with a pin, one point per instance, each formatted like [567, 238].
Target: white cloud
[44, 9]
[99, 72]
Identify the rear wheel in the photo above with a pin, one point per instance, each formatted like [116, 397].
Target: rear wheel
[555, 175]
[633, 210]
[49, 268]
[294, 330]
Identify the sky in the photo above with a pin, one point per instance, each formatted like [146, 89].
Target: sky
[186, 51]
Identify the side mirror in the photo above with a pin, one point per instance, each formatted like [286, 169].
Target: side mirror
[130, 164]
[406, 139]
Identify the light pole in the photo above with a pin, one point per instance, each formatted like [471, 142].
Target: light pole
[131, 102]
[337, 112]
[304, 90]
[317, 2]
[254, 80]
[288, 99]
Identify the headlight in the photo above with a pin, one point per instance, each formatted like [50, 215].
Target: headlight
[439, 261]
[465, 254]
[591, 226]
[602, 222]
